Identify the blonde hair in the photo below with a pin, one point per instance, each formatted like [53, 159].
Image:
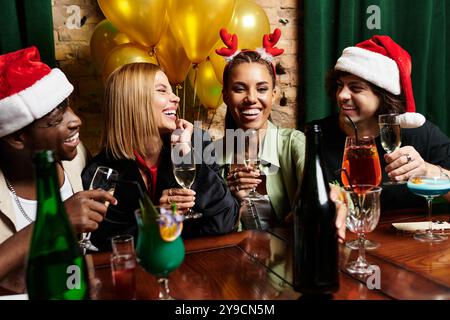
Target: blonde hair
[129, 120]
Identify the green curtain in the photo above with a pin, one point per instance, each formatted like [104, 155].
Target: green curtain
[421, 27]
[27, 22]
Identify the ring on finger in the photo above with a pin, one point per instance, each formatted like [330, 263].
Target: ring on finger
[408, 158]
[237, 188]
[235, 176]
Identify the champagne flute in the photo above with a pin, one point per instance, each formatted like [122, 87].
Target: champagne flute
[104, 178]
[429, 187]
[363, 216]
[252, 158]
[390, 135]
[184, 169]
[361, 170]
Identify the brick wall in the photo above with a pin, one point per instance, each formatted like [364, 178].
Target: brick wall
[73, 57]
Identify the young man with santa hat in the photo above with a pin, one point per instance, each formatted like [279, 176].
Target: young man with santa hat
[373, 78]
[35, 115]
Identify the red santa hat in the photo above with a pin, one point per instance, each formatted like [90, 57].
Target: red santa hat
[382, 62]
[29, 89]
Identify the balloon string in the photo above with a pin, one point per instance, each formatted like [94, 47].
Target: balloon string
[184, 101]
[195, 85]
[152, 53]
[198, 111]
[215, 111]
[212, 119]
[177, 87]
[220, 98]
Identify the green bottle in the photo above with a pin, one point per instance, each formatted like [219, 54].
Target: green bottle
[56, 269]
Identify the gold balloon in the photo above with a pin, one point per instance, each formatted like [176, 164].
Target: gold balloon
[218, 62]
[209, 90]
[250, 23]
[104, 38]
[196, 24]
[125, 54]
[142, 20]
[172, 58]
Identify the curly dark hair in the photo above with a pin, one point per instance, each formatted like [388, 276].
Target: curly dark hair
[389, 103]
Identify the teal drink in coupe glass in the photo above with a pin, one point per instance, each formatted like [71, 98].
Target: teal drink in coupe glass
[429, 187]
[159, 246]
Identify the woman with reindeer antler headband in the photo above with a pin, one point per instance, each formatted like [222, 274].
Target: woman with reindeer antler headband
[248, 91]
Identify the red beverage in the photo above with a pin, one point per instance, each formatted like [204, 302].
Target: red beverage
[124, 276]
[362, 165]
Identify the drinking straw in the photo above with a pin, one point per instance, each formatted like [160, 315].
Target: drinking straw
[355, 128]
[351, 187]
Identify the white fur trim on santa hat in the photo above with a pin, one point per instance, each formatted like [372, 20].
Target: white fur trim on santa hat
[22, 108]
[376, 68]
[410, 120]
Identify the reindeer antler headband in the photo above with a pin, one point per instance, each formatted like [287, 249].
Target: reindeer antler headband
[267, 52]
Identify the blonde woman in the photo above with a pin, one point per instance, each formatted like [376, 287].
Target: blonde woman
[139, 118]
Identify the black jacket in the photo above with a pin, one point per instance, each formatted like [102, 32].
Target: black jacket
[213, 198]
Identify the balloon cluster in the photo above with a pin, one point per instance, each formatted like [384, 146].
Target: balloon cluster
[180, 36]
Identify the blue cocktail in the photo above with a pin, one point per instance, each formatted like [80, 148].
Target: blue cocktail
[429, 187]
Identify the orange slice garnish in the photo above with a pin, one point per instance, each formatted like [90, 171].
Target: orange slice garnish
[416, 180]
[170, 225]
[170, 232]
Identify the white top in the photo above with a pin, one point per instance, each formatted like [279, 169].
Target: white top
[30, 206]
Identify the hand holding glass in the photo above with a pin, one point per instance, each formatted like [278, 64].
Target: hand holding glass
[104, 178]
[184, 169]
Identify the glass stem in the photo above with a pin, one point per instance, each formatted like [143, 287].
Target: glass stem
[163, 289]
[430, 223]
[361, 251]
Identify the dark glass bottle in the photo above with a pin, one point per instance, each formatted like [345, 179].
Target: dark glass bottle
[56, 269]
[315, 266]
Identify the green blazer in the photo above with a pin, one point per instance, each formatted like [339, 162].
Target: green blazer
[282, 154]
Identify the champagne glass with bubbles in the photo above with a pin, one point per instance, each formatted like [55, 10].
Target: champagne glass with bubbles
[390, 135]
[104, 178]
[252, 158]
[184, 169]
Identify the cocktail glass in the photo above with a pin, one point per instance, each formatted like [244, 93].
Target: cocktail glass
[429, 187]
[159, 246]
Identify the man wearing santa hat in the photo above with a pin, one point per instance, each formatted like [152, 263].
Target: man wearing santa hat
[35, 115]
[373, 78]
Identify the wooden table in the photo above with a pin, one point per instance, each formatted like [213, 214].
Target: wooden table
[257, 265]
